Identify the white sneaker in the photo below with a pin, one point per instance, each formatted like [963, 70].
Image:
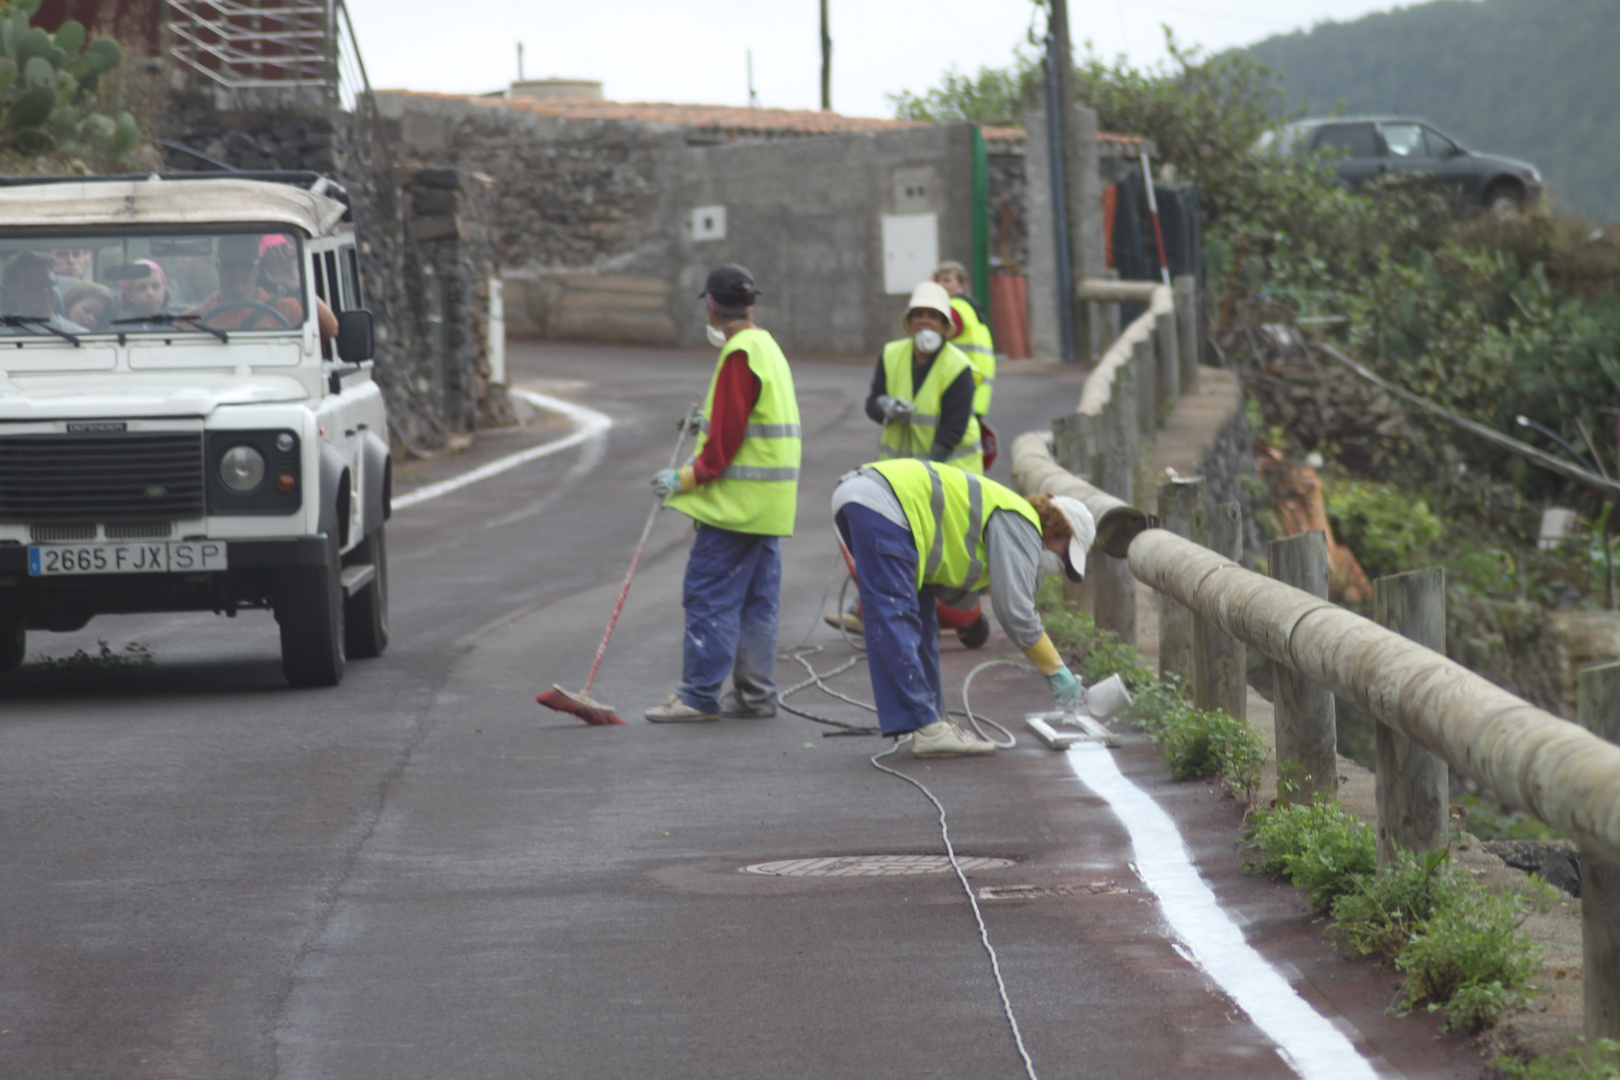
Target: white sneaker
[676, 711]
[945, 739]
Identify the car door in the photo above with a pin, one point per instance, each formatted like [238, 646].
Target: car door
[1356, 148]
[1406, 150]
[1452, 164]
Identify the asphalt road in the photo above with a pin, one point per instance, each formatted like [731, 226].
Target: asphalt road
[421, 873]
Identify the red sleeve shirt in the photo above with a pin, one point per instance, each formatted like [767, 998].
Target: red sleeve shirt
[956, 324]
[736, 392]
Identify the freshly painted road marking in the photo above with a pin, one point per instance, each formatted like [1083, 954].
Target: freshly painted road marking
[588, 424]
[1311, 1044]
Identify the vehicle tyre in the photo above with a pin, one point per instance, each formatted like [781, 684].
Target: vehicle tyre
[365, 614]
[1503, 201]
[13, 643]
[309, 607]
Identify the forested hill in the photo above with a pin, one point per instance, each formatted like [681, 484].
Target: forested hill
[1532, 79]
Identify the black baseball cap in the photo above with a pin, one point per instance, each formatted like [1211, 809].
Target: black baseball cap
[731, 286]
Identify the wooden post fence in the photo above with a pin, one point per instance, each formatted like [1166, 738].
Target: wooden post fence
[1220, 661]
[1413, 785]
[1307, 737]
[1599, 713]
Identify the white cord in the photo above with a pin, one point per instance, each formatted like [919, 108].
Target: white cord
[978, 916]
[1012, 740]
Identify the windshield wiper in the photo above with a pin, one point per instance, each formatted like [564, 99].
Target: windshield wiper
[170, 320]
[34, 320]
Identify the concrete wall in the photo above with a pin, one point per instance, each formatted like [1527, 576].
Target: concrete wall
[592, 218]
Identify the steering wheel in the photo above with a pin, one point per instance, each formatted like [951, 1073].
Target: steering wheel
[263, 309]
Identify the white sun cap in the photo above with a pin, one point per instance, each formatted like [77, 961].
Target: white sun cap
[931, 295]
[1085, 534]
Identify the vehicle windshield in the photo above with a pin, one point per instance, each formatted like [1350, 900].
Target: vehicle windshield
[133, 283]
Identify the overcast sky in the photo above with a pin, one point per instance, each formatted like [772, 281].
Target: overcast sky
[685, 51]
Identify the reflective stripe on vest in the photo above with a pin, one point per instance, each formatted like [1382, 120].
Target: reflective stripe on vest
[758, 491]
[948, 518]
[899, 440]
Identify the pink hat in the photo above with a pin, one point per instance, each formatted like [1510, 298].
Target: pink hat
[155, 269]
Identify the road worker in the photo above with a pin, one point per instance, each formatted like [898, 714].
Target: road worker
[741, 488]
[970, 332]
[923, 387]
[919, 531]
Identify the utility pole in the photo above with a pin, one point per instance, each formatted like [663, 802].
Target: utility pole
[826, 61]
[520, 61]
[753, 98]
[1070, 199]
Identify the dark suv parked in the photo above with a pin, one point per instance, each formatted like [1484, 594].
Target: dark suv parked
[1373, 146]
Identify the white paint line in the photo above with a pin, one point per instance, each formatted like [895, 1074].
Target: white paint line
[588, 424]
[1312, 1045]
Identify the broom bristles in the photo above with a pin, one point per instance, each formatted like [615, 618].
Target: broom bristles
[578, 704]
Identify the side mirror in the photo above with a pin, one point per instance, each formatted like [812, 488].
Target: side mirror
[354, 336]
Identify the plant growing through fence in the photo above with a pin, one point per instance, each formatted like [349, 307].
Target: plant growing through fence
[1584, 1061]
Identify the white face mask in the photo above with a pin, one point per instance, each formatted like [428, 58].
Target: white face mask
[717, 336]
[1051, 562]
[927, 341]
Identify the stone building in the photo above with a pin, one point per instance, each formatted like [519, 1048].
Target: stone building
[608, 215]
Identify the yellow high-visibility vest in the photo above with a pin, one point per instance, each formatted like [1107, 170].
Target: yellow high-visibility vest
[914, 436]
[948, 510]
[976, 344]
[759, 491]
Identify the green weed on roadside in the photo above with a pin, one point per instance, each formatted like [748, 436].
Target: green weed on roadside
[1379, 914]
[1597, 1061]
[1321, 847]
[135, 654]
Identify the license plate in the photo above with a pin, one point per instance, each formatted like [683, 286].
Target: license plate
[134, 557]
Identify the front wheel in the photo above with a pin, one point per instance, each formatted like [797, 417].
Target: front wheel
[13, 643]
[365, 614]
[309, 607]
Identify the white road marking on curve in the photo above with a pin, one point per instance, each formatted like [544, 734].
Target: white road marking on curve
[589, 424]
[1307, 1041]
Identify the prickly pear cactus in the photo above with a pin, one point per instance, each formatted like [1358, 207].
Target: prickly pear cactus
[47, 88]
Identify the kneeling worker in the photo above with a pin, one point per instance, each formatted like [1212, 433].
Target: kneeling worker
[915, 530]
[741, 487]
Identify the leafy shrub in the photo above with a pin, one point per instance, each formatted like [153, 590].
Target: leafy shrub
[1469, 960]
[1379, 915]
[1389, 530]
[1202, 743]
[1598, 1061]
[1098, 653]
[1321, 847]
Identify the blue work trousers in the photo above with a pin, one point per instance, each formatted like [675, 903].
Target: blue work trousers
[900, 624]
[733, 596]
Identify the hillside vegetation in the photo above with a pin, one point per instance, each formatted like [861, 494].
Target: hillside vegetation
[1531, 79]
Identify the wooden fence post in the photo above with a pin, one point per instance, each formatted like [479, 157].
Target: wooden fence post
[1412, 783]
[1177, 501]
[1167, 347]
[1599, 712]
[1144, 359]
[1307, 753]
[1186, 288]
[1220, 661]
[1112, 588]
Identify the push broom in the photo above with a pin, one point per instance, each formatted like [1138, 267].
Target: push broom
[581, 704]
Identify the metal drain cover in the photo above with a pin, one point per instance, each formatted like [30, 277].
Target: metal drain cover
[872, 865]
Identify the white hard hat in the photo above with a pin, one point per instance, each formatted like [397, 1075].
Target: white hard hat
[931, 295]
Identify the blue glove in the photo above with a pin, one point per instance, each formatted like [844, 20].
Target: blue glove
[667, 482]
[1065, 688]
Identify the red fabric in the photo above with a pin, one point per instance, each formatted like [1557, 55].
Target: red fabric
[1110, 201]
[956, 324]
[736, 393]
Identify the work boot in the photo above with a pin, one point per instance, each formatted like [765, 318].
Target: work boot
[676, 711]
[848, 621]
[943, 738]
[732, 707]
[975, 634]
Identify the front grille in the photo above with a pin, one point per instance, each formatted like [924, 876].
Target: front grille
[132, 476]
[45, 534]
[140, 530]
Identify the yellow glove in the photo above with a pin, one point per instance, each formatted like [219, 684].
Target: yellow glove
[1044, 655]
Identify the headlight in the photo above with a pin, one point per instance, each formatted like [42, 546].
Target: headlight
[242, 469]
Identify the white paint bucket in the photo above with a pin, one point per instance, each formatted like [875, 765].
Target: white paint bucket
[1106, 698]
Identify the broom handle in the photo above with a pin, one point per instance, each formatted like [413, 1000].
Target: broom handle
[635, 560]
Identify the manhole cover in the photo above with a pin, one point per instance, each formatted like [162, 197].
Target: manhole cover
[872, 865]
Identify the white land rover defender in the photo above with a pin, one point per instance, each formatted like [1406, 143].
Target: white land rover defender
[188, 420]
